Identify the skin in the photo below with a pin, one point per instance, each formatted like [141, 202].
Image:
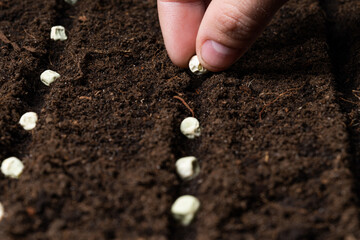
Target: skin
[219, 31]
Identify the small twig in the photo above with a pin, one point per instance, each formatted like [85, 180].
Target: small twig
[85, 97]
[29, 34]
[72, 162]
[4, 38]
[30, 49]
[276, 99]
[7, 41]
[345, 100]
[356, 93]
[186, 105]
[49, 58]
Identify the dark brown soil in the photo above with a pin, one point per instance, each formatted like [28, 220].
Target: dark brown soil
[280, 130]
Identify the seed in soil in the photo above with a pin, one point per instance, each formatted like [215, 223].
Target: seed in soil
[72, 2]
[48, 77]
[28, 120]
[196, 67]
[12, 167]
[190, 127]
[185, 208]
[1, 211]
[58, 33]
[187, 167]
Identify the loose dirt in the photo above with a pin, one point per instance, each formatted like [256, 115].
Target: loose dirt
[280, 136]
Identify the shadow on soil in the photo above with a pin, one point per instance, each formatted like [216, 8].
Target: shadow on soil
[341, 40]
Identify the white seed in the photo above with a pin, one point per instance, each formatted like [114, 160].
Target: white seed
[185, 208]
[196, 67]
[12, 167]
[190, 127]
[187, 167]
[58, 33]
[48, 77]
[72, 2]
[1, 211]
[28, 120]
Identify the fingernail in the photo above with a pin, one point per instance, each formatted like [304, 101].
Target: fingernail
[217, 55]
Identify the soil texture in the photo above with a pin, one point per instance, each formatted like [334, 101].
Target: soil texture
[280, 136]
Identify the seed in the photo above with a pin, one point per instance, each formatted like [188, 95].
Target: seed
[28, 120]
[185, 208]
[72, 2]
[1, 211]
[12, 167]
[196, 67]
[48, 76]
[187, 167]
[58, 33]
[190, 127]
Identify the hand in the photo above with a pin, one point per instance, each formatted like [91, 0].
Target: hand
[219, 31]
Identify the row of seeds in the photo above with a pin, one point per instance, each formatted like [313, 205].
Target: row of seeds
[12, 167]
[185, 207]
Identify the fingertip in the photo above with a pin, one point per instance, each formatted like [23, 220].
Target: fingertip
[180, 52]
[229, 28]
[217, 57]
[180, 21]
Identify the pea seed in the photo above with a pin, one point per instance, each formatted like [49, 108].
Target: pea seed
[12, 167]
[190, 127]
[196, 67]
[28, 120]
[48, 77]
[187, 168]
[58, 33]
[185, 208]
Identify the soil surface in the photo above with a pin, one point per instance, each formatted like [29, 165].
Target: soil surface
[280, 144]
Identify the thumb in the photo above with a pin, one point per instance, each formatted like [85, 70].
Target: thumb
[229, 28]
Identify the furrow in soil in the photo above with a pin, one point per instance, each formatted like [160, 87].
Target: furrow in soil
[24, 30]
[101, 154]
[24, 53]
[101, 162]
[344, 49]
[274, 145]
[183, 147]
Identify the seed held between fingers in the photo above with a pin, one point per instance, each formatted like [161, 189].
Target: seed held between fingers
[1, 211]
[48, 77]
[12, 167]
[187, 167]
[185, 208]
[28, 120]
[196, 67]
[190, 127]
[58, 33]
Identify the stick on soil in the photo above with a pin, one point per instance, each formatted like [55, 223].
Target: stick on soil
[186, 105]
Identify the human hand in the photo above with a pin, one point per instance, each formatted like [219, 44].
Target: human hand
[219, 31]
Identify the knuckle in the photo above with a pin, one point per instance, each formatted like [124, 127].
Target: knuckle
[236, 25]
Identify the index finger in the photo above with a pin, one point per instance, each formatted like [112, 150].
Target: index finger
[180, 21]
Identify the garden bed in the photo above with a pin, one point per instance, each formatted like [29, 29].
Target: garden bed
[278, 150]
